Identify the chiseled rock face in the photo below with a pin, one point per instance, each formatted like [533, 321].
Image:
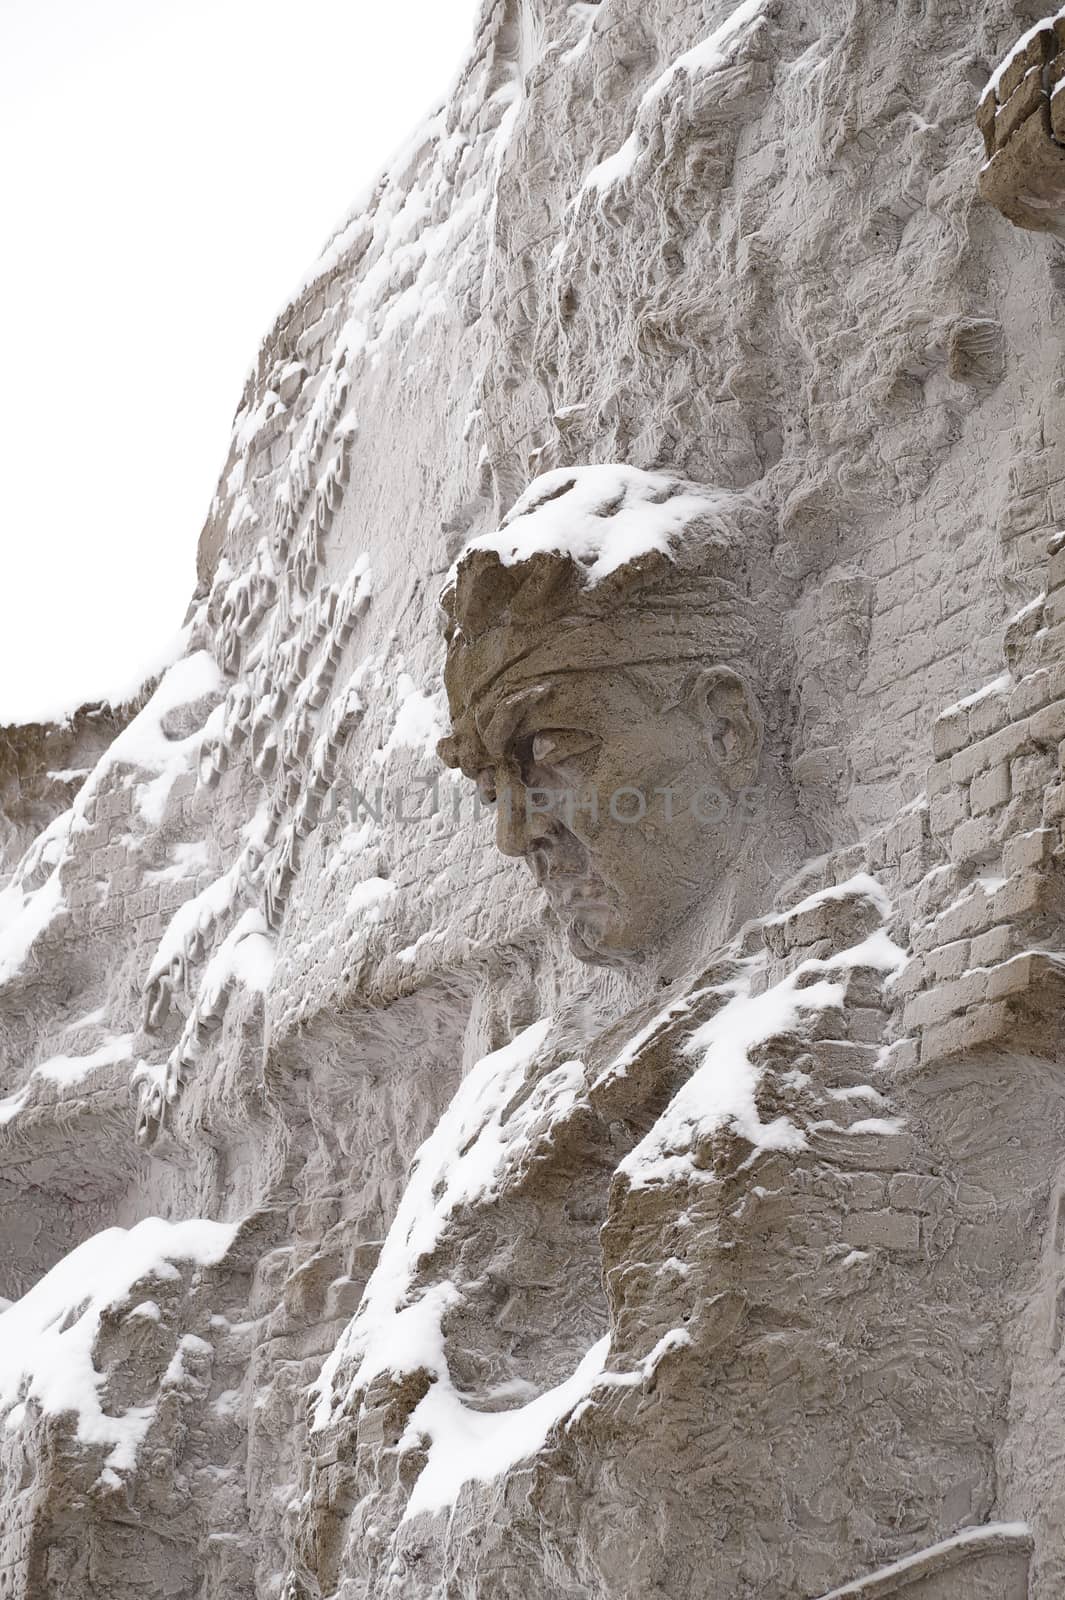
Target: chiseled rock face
[1022, 119]
[531, 1063]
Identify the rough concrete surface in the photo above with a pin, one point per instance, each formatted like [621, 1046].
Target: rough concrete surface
[529, 1059]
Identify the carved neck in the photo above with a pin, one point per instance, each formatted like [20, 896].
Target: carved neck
[763, 854]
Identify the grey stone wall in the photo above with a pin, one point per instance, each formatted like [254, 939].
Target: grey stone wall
[823, 1361]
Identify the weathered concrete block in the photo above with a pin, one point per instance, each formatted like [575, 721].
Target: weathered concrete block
[1022, 896]
[1002, 746]
[933, 1005]
[992, 946]
[1047, 725]
[1057, 110]
[990, 789]
[1023, 851]
[1031, 774]
[94, 837]
[982, 1026]
[145, 901]
[866, 1191]
[1021, 973]
[902, 1056]
[843, 920]
[938, 779]
[948, 809]
[974, 840]
[912, 869]
[950, 733]
[183, 786]
[1027, 100]
[989, 714]
[125, 880]
[1036, 690]
[109, 860]
[949, 960]
[913, 977]
[972, 915]
[1048, 645]
[1025, 178]
[910, 832]
[1054, 803]
[1026, 63]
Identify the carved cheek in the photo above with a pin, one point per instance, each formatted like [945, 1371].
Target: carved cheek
[486, 787]
[585, 803]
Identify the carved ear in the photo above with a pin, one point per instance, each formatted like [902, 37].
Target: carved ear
[722, 702]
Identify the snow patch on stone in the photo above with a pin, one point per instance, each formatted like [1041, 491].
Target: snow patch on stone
[245, 957]
[722, 1090]
[68, 1070]
[862, 886]
[479, 1445]
[601, 517]
[47, 1337]
[456, 1164]
[419, 721]
[142, 745]
[1000, 685]
[712, 53]
[185, 861]
[23, 917]
[461, 1164]
[367, 899]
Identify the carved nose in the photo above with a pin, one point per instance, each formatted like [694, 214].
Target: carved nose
[518, 831]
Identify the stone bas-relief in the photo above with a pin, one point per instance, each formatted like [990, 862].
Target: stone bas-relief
[583, 1199]
[611, 710]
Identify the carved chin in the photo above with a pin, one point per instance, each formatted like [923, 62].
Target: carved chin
[585, 936]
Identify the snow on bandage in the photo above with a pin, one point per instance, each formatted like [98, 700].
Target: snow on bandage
[600, 569]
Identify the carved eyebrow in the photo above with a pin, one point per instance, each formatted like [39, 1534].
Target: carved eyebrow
[503, 723]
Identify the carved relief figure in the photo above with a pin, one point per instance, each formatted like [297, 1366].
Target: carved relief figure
[615, 684]
[612, 678]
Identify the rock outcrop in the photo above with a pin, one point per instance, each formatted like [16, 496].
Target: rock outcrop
[656, 485]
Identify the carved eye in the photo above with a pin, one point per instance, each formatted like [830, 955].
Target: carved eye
[554, 745]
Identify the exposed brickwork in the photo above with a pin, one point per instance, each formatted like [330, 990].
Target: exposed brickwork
[1023, 124]
[986, 930]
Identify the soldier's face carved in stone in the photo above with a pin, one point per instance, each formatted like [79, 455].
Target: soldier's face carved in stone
[599, 676]
[625, 801]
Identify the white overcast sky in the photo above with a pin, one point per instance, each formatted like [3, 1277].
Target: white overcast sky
[170, 170]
